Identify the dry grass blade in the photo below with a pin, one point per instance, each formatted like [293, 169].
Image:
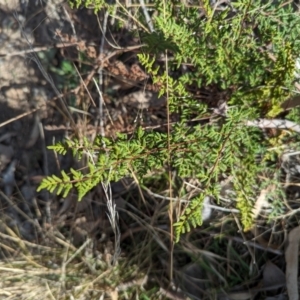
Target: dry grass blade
[113, 219]
[23, 242]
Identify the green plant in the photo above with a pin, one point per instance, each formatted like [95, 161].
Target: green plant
[249, 54]
[94, 4]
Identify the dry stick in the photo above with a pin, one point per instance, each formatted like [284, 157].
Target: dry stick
[274, 123]
[18, 240]
[244, 238]
[170, 211]
[289, 214]
[254, 245]
[62, 242]
[70, 21]
[18, 117]
[101, 51]
[49, 292]
[85, 86]
[101, 102]
[9, 249]
[37, 49]
[31, 272]
[82, 247]
[232, 210]
[131, 16]
[147, 17]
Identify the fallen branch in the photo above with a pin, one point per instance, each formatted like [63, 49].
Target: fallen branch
[274, 123]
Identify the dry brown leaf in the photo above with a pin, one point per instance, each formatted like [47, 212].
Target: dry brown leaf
[137, 73]
[291, 103]
[291, 258]
[272, 275]
[191, 281]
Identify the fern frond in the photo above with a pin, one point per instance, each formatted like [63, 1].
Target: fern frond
[192, 217]
[62, 186]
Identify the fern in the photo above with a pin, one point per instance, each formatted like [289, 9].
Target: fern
[249, 55]
[93, 4]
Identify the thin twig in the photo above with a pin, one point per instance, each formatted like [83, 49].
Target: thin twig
[100, 72]
[70, 21]
[255, 245]
[82, 247]
[147, 17]
[37, 49]
[29, 244]
[101, 102]
[18, 117]
[231, 210]
[21, 212]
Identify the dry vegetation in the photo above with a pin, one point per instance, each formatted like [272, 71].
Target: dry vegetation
[52, 248]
